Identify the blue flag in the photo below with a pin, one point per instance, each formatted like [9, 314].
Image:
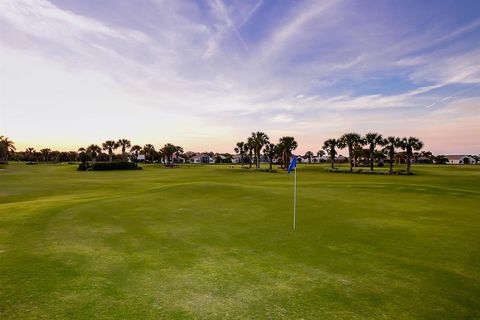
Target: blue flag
[293, 164]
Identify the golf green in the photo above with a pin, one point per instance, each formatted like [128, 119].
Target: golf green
[216, 242]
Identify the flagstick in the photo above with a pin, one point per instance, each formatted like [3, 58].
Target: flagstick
[295, 200]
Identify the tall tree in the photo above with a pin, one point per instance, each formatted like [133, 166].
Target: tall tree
[109, 146]
[240, 149]
[259, 139]
[45, 153]
[409, 145]
[288, 145]
[320, 153]
[31, 153]
[93, 150]
[178, 151]
[270, 151]
[250, 149]
[349, 140]
[329, 146]
[391, 143]
[8, 147]
[168, 150]
[124, 144]
[149, 151]
[309, 155]
[82, 154]
[281, 154]
[372, 139]
[135, 149]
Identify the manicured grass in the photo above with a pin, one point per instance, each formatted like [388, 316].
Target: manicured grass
[214, 242]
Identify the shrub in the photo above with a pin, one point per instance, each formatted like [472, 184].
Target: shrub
[83, 166]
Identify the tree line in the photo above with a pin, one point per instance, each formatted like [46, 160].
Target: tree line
[354, 142]
[362, 150]
[253, 146]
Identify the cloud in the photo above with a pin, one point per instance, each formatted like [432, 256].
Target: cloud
[189, 71]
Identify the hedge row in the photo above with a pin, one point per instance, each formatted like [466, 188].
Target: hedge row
[104, 166]
[362, 171]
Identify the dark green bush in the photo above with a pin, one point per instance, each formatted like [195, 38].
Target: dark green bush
[104, 166]
[83, 166]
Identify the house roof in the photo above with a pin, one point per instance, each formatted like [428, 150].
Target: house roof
[201, 155]
[457, 156]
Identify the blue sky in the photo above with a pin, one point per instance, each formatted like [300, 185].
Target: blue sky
[204, 74]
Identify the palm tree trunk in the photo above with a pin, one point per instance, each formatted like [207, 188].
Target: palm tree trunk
[270, 163]
[350, 154]
[391, 165]
[241, 158]
[409, 161]
[371, 160]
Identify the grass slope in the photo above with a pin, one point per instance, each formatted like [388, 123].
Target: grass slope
[212, 242]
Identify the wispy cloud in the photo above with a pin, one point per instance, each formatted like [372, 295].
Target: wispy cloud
[184, 70]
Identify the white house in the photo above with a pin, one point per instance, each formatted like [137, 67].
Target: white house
[202, 158]
[141, 157]
[236, 159]
[318, 159]
[178, 159]
[460, 159]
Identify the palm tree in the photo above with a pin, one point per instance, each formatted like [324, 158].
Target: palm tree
[259, 139]
[329, 146]
[288, 144]
[93, 150]
[168, 150]
[45, 152]
[320, 154]
[270, 151]
[110, 145]
[178, 151]
[8, 145]
[149, 151]
[30, 152]
[250, 148]
[135, 150]
[82, 154]
[124, 143]
[281, 154]
[240, 149]
[309, 155]
[350, 140]
[409, 145]
[372, 139]
[391, 143]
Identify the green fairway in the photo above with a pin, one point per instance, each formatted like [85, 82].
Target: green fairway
[215, 242]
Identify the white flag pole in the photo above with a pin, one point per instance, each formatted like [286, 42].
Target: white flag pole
[295, 199]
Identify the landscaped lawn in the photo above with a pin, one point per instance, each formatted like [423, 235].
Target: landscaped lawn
[214, 242]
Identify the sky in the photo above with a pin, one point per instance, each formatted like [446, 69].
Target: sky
[205, 74]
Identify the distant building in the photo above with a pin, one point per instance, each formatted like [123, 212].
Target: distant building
[202, 158]
[237, 159]
[460, 159]
[318, 159]
[178, 159]
[141, 157]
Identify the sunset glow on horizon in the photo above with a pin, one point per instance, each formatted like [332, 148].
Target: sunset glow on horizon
[205, 74]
